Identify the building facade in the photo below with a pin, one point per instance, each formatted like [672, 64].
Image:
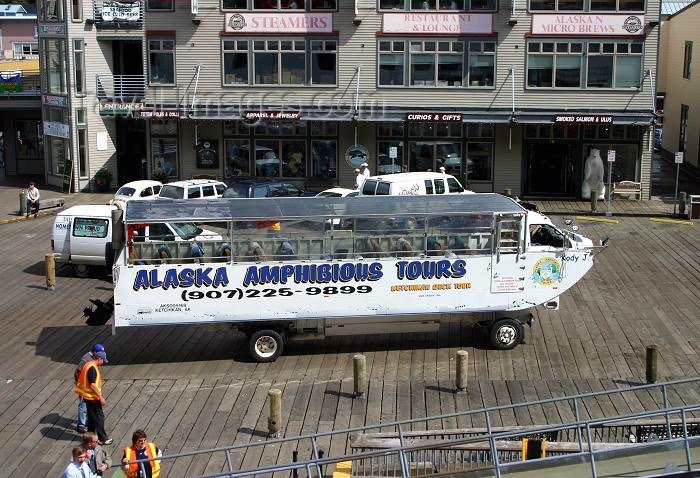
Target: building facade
[505, 95]
[681, 131]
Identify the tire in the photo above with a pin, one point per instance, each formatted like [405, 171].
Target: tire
[506, 334]
[82, 270]
[109, 258]
[265, 345]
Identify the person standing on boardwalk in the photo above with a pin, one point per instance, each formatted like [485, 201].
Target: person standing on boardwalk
[82, 408]
[90, 388]
[33, 196]
[78, 468]
[96, 457]
[365, 170]
[141, 449]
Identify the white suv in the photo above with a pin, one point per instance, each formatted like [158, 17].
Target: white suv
[193, 189]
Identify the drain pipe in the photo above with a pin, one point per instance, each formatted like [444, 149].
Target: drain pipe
[357, 101]
[512, 113]
[653, 108]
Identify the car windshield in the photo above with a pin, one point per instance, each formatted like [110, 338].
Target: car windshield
[186, 230]
[172, 192]
[125, 191]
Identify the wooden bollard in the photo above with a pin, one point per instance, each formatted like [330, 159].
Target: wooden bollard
[462, 364]
[359, 373]
[50, 266]
[652, 357]
[274, 417]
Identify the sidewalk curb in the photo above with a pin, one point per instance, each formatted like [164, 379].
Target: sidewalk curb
[25, 218]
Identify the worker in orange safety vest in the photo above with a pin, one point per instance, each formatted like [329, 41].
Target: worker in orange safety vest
[89, 386]
[141, 449]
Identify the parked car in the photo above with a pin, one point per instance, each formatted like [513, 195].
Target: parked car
[338, 193]
[263, 188]
[193, 189]
[136, 190]
[658, 136]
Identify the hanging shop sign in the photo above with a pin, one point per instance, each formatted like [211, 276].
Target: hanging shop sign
[123, 12]
[278, 23]
[272, 115]
[207, 154]
[119, 108]
[441, 117]
[583, 119]
[59, 130]
[588, 25]
[52, 100]
[10, 83]
[437, 23]
[156, 114]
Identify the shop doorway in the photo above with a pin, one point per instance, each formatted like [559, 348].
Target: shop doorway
[550, 170]
[131, 149]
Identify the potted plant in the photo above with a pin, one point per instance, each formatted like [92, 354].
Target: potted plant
[103, 179]
[160, 175]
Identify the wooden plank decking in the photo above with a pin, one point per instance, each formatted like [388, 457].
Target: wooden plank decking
[191, 389]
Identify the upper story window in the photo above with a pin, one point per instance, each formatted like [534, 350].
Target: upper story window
[54, 77]
[160, 5]
[161, 61]
[283, 5]
[280, 62]
[588, 5]
[52, 10]
[436, 63]
[25, 50]
[687, 59]
[604, 65]
[449, 5]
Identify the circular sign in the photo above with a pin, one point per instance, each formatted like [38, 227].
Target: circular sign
[356, 155]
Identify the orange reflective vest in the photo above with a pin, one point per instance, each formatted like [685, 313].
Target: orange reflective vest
[151, 452]
[83, 388]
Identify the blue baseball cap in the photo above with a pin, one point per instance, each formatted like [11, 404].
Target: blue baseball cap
[99, 348]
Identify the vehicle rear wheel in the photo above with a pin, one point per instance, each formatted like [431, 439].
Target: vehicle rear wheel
[265, 345]
[82, 270]
[506, 333]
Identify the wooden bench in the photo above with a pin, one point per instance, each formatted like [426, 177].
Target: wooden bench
[627, 188]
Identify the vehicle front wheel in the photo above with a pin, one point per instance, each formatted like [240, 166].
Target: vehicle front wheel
[506, 333]
[265, 345]
[82, 270]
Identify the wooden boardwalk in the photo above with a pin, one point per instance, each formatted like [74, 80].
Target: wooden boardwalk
[192, 389]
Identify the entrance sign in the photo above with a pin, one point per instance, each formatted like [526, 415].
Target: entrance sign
[442, 117]
[438, 23]
[278, 23]
[583, 119]
[611, 156]
[588, 25]
[679, 157]
[67, 175]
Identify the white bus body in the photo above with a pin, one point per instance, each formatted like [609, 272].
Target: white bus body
[468, 258]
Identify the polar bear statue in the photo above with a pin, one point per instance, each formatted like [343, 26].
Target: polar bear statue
[593, 172]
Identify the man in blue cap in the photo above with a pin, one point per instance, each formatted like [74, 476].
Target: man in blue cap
[89, 387]
[82, 408]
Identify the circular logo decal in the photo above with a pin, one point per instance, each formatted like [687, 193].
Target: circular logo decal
[632, 24]
[237, 22]
[546, 271]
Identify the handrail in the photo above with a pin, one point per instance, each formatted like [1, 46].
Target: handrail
[491, 436]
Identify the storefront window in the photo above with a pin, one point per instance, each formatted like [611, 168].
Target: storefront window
[164, 149]
[324, 161]
[479, 161]
[160, 5]
[389, 157]
[595, 5]
[237, 158]
[30, 139]
[624, 167]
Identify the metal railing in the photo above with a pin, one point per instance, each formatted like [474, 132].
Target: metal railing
[495, 449]
[121, 87]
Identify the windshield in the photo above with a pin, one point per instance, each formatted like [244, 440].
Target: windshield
[327, 194]
[546, 235]
[186, 230]
[126, 191]
[172, 192]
